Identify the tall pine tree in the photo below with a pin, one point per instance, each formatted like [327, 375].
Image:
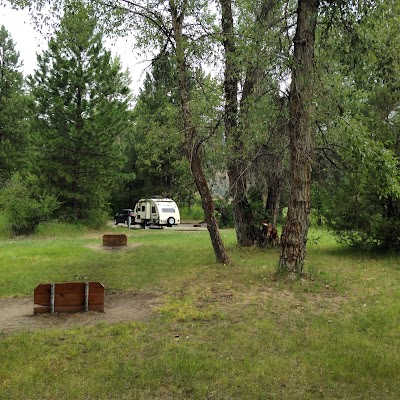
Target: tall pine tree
[13, 124]
[157, 140]
[81, 99]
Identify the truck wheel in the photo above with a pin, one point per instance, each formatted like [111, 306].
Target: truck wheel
[171, 221]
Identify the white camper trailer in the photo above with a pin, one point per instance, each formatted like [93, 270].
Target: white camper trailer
[157, 211]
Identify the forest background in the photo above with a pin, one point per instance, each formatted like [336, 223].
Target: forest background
[75, 146]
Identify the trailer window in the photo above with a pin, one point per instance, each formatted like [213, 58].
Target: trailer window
[168, 210]
[143, 208]
[153, 210]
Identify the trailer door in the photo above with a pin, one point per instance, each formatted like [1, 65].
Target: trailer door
[154, 213]
[147, 209]
[141, 211]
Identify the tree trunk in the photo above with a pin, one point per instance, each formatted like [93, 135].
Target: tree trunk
[246, 232]
[276, 208]
[273, 202]
[191, 148]
[294, 236]
[243, 216]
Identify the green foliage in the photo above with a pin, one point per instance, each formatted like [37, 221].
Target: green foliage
[25, 204]
[14, 134]
[97, 217]
[156, 142]
[224, 213]
[359, 215]
[81, 102]
[360, 197]
[194, 212]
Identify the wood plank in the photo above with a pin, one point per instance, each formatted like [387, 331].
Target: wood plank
[69, 297]
[71, 291]
[43, 288]
[96, 293]
[115, 240]
[96, 298]
[42, 291]
[72, 299]
[70, 287]
[42, 299]
[61, 299]
[96, 287]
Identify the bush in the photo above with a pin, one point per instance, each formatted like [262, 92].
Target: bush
[192, 213]
[24, 205]
[224, 213]
[96, 218]
[360, 217]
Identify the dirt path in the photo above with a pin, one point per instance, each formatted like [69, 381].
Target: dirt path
[16, 314]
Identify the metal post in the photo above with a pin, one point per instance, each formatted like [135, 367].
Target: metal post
[129, 222]
[52, 292]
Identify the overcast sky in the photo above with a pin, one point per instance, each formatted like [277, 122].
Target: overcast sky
[28, 43]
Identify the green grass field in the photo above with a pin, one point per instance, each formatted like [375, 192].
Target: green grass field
[219, 332]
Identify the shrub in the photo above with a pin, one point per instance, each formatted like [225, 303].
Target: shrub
[25, 205]
[193, 213]
[96, 218]
[358, 216]
[224, 213]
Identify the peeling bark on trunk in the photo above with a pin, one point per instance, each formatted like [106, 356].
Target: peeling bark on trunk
[191, 148]
[246, 233]
[294, 236]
